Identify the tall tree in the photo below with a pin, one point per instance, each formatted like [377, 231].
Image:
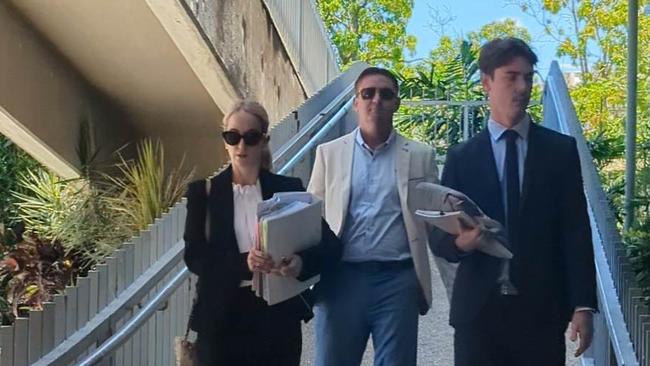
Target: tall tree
[373, 31]
[507, 27]
[593, 34]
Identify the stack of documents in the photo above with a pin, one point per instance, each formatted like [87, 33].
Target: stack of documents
[449, 222]
[452, 222]
[288, 223]
[446, 208]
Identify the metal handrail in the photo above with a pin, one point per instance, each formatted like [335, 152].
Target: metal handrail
[150, 308]
[134, 324]
[314, 141]
[314, 125]
[610, 304]
[105, 320]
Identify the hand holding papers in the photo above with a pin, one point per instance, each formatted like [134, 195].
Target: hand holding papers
[288, 223]
[258, 261]
[449, 222]
[456, 208]
[289, 267]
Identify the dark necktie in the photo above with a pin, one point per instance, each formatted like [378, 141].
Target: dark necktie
[512, 187]
[507, 278]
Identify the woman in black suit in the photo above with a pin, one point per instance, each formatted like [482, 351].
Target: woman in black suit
[235, 327]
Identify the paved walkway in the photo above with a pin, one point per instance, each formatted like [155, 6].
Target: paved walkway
[435, 336]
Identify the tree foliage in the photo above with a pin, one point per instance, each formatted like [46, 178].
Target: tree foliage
[451, 73]
[593, 35]
[373, 31]
[507, 27]
[13, 162]
[452, 76]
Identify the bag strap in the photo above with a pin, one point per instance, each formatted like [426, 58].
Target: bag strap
[208, 182]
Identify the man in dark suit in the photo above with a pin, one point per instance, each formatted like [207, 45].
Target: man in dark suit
[528, 178]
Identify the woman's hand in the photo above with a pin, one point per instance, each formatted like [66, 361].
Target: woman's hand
[258, 261]
[290, 266]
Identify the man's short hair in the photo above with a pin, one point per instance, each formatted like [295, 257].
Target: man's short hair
[501, 51]
[377, 71]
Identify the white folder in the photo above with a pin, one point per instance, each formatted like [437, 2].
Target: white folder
[289, 223]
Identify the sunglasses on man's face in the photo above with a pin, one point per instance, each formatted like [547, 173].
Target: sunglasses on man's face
[251, 138]
[384, 93]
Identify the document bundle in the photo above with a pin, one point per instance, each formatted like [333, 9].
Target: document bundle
[288, 223]
[450, 210]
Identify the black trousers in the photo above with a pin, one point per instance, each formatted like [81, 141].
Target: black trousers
[507, 334]
[254, 334]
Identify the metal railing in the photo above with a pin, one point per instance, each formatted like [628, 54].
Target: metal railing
[622, 327]
[167, 280]
[301, 124]
[106, 320]
[465, 106]
[318, 137]
[88, 313]
[128, 330]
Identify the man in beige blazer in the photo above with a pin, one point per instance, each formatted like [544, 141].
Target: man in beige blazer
[367, 181]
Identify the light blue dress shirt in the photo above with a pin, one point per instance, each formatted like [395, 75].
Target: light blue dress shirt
[499, 149]
[374, 228]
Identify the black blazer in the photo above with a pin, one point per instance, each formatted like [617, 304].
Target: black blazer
[554, 264]
[219, 265]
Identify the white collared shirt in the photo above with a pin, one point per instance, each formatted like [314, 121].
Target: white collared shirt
[245, 200]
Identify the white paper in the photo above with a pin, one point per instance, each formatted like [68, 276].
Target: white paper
[289, 223]
[450, 223]
[446, 221]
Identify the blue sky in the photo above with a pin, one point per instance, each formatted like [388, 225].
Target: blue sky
[471, 15]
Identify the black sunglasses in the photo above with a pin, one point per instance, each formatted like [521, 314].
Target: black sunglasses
[251, 138]
[384, 93]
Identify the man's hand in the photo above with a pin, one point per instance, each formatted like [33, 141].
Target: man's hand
[258, 261]
[469, 237]
[582, 324]
[289, 267]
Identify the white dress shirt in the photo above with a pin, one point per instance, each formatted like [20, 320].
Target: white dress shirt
[245, 200]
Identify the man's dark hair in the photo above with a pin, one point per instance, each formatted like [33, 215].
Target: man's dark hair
[377, 71]
[501, 51]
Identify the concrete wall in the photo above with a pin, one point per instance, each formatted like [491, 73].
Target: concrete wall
[169, 71]
[192, 136]
[242, 35]
[44, 95]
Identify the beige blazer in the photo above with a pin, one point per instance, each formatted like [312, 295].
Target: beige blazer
[415, 163]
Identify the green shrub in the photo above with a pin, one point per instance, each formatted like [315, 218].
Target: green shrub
[143, 192]
[72, 213]
[72, 225]
[13, 163]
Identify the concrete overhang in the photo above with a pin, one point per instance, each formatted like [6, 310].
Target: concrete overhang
[150, 58]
